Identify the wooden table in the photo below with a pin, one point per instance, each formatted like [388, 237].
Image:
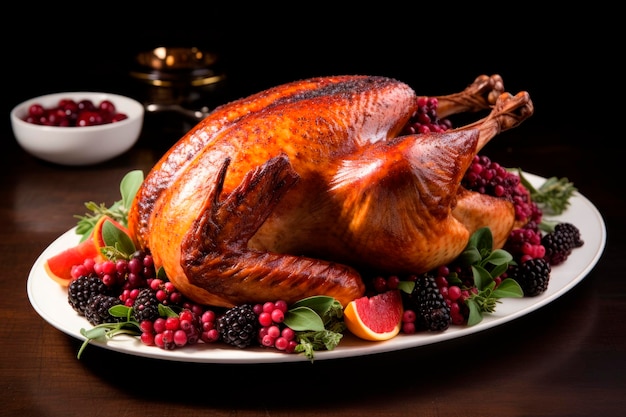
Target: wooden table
[565, 359]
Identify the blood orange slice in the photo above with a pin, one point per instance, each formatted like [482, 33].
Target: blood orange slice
[375, 318]
[59, 266]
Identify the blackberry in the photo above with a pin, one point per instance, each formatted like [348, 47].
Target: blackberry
[97, 310]
[560, 243]
[431, 309]
[82, 289]
[533, 276]
[146, 305]
[238, 326]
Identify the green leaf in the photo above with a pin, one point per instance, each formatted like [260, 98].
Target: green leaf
[482, 277]
[303, 319]
[331, 339]
[481, 239]
[109, 330]
[160, 273]
[116, 238]
[499, 261]
[166, 311]
[454, 279]
[121, 311]
[309, 342]
[508, 288]
[318, 303]
[499, 257]
[499, 270]
[486, 265]
[129, 186]
[475, 315]
[553, 196]
[118, 211]
[95, 332]
[406, 286]
[470, 256]
[548, 225]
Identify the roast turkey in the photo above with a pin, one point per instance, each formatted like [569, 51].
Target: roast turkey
[302, 188]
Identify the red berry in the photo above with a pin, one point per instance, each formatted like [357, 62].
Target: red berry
[408, 316]
[288, 333]
[70, 113]
[265, 319]
[282, 305]
[172, 323]
[408, 327]
[180, 338]
[454, 292]
[159, 325]
[147, 339]
[281, 343]
[277, 316]
[273, 331]
[107, 106]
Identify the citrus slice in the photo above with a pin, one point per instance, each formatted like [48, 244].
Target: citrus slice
[375, 318]
[59, 266]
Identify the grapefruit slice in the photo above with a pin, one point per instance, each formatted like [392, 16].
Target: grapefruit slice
[375, 318]
[59, 266]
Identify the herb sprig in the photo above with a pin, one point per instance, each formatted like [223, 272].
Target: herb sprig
[118, 211]
[486, 265]
[127, 325]
[553, 195]
[318, 323]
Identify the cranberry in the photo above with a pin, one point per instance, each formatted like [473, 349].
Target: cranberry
[88, 118]
[36, 111]
[107, 106]
[277, 315]
[69, 113]
[86, 105]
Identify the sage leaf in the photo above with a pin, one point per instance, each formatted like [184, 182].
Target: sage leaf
[304, 319]
[499, 270]
[481, 239]
[470, 256]
[475, 315]
[120, 311]
[406, 286]
[95, 333]
[114, 237]
[499, 257]
[166, 311]
[129, 186]
[318, 303]
[482, 277]
[508, 288]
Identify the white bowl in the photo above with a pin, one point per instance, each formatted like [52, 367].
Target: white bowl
[78, 145]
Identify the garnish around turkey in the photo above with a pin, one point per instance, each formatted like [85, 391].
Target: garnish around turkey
[118, 290]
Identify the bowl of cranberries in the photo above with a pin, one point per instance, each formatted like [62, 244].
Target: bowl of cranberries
[77, 128]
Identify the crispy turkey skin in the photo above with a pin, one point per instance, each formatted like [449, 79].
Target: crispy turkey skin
[294, 191]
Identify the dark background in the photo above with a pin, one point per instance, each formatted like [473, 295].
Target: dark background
[565, 58]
